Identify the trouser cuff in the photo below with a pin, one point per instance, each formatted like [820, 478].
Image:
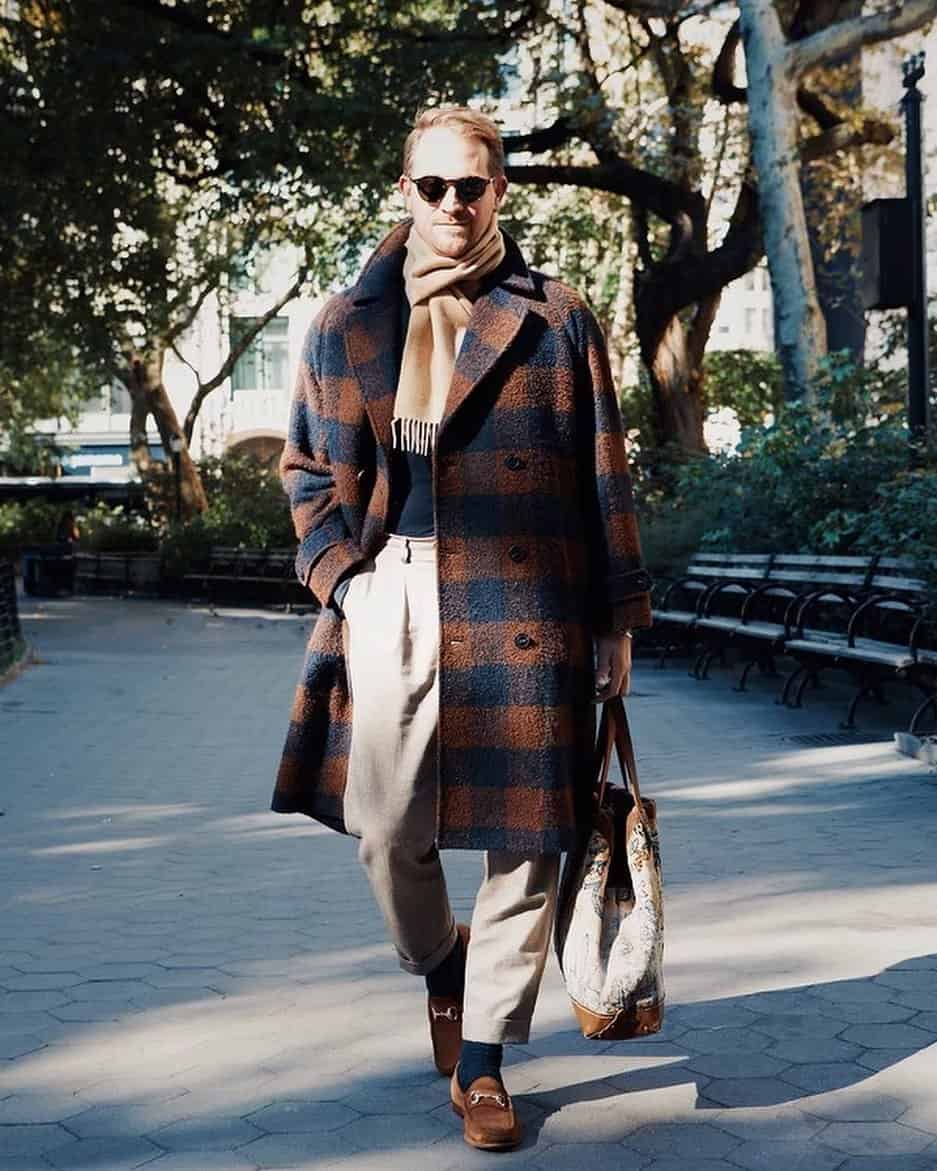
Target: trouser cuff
[491, 1031]
[435, 957]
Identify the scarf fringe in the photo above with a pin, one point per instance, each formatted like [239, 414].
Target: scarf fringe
[416, 435]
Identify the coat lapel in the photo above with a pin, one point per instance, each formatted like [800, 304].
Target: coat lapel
[371, 330]
[372, 327]
[496, 320]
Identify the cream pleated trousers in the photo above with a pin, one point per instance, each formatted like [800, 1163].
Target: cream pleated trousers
[391, 634]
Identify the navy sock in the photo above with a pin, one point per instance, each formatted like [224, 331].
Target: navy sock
[448, 977]
[478, 1059]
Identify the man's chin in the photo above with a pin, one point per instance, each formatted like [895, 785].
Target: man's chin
[451, 242]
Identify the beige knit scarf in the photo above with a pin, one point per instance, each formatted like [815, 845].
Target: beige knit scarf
[440, 290]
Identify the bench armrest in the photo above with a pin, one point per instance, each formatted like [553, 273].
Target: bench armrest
[683, 580]
[892, 599]
[725, 584]
[923, 623]
[759, 591]
[807, 600]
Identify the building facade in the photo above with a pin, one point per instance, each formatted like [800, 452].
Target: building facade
[247, 413]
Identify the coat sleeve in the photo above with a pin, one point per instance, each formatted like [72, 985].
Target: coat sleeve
[326, 547]
[620, 582]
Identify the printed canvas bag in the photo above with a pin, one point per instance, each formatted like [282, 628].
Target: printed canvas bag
[609, 931]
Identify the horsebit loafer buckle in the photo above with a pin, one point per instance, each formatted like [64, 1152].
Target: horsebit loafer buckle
[476, 1096]
[452, 1013]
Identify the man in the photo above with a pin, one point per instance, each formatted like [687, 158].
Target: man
[458, 476]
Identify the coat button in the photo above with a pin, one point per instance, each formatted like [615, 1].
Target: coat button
[515, 463]
[523, 640]
[517, 553]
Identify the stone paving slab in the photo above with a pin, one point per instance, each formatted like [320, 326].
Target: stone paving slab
[189, 982]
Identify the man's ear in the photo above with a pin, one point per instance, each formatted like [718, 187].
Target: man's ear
[501, 186]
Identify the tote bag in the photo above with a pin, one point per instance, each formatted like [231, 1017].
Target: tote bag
[609, 929]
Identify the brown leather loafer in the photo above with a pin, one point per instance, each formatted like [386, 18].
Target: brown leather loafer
[488, 1114]
[445, 1022]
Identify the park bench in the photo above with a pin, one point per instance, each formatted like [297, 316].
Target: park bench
[824, 611]
[10, 632]
[117, 573]
[683, 602]
[757, 617]
[240, 574]
[882, 633]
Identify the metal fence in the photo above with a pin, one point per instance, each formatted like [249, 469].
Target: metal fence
[11, 638]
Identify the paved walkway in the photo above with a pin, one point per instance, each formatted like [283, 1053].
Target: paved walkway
[189, 982]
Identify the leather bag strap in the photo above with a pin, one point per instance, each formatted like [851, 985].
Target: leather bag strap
[614, 731]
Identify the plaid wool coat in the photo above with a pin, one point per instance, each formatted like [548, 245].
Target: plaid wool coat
[537, 546]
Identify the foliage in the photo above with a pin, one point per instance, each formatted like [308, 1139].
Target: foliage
[832, 476]
[578, 235]
[246, 501]
[103, 528]
[25, 453]
[30, 522]
[246, 506]
[111, 529]
[748, 381]
[151, 148]
[150, 143]
[39, 379]
[904, 520]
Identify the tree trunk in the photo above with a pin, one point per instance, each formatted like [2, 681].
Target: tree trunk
[144, 381]
[676, 386]
[800, 331]
[838, 270]
[193, 499]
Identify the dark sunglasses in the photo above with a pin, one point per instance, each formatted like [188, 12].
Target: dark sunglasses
[469, 190]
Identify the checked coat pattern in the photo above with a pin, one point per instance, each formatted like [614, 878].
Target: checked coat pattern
[537, 546]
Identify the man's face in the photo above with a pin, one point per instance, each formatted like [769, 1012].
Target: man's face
[450, 227]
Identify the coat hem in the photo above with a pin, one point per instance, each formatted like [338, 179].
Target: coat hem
[559, 841]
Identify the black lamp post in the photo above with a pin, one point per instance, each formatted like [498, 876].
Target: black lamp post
[176, 444]
[917, 305]
[894, 263]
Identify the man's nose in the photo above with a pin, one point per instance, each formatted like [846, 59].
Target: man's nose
[450, 201]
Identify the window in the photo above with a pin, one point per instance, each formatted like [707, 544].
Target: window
[766, 323]
[749, 320]
[748, 281]
[264, 364]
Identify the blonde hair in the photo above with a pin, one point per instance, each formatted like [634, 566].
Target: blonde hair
[463, 120]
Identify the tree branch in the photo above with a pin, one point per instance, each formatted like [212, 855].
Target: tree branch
[191, 312]
[235, 352]
[813, 105]
[845, 137]
[643, 237]
[728, 93]
[723, 82]
[543, 139]
[185, 19]
[665, 199]
[848, 35]
[669, 10]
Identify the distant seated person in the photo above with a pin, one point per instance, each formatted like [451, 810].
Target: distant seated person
[67, 536]
[67, 530]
